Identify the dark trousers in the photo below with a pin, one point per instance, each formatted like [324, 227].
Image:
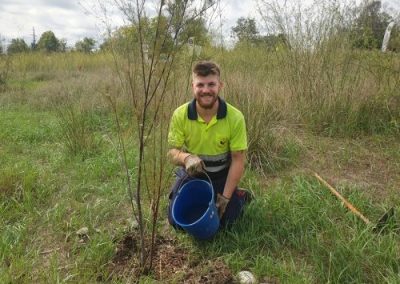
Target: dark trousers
[234, 208]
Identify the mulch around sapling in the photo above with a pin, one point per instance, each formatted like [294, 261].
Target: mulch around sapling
[171, 263]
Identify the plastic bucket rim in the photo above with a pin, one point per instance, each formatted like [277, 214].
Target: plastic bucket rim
[205, 212]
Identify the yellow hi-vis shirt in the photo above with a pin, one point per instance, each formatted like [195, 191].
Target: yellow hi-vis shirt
[212, 142]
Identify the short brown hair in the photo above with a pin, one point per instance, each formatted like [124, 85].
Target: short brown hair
[205, 68]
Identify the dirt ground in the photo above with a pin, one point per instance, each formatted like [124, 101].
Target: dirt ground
[170, 263]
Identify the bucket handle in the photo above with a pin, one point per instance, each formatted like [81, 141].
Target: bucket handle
[189, 177]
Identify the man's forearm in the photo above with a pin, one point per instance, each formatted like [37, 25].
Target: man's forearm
[177, 156]
[235, 173]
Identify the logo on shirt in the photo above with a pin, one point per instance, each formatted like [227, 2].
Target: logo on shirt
[222, 141]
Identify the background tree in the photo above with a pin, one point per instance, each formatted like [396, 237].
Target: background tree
[124, 37]
[115, 40]
[370, 26]
[86, 45]
[164, 26]
[49, 42]
[17, 45]
[245, 30]
[62, 45]
[158, 28]
[273, 41]
[151, 31]
[2, 40]
[196, 28]
[394, 42]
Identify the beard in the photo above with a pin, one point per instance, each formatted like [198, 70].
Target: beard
[207, 101]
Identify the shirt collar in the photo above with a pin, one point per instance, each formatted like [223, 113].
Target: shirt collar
[221, 112]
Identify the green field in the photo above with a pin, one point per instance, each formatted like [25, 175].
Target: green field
[61, 171]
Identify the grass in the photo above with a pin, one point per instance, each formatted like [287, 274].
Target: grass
[47, 195]
[301, 234]
[60, 171]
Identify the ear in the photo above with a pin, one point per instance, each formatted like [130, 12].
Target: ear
[221, 85]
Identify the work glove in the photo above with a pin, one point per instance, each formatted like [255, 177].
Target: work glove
[193, 165]
[221, 204]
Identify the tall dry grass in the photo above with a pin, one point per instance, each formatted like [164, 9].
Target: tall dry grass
[333, 89]
[270, 147]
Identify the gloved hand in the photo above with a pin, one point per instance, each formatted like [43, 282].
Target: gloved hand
[221, 204]
[193, 165]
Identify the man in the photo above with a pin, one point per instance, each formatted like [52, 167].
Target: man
[208, 134]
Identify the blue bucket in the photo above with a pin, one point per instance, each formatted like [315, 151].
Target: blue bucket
[194, 209]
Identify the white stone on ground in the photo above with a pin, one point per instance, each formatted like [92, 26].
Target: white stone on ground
[82, 231]
[246, 277]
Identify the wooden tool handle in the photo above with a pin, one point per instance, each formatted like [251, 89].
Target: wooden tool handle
[347, 203]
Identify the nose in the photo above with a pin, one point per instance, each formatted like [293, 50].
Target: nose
[205, 89]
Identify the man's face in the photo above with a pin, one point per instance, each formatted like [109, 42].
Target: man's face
[206, 89]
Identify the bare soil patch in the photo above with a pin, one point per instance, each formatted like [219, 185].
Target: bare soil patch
[171, 263]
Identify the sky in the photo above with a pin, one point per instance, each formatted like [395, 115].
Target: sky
[73, 20]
